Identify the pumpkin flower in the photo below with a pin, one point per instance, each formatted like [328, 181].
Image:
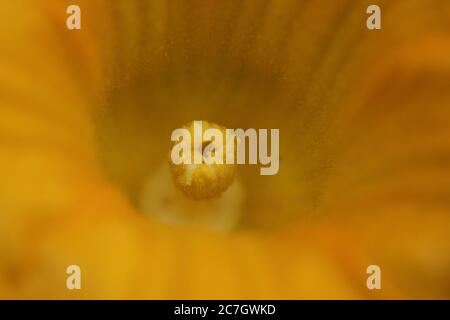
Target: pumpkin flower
[85, 123]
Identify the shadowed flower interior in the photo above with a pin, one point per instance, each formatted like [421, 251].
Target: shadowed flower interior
[85, 123]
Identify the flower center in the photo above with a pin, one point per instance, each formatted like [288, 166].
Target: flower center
[134, 142]
[201, 181]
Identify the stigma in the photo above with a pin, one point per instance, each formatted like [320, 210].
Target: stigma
[209, 176]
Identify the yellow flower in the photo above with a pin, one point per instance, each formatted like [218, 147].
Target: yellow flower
[85, 122]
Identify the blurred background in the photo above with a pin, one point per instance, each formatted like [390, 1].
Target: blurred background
[85, 123]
